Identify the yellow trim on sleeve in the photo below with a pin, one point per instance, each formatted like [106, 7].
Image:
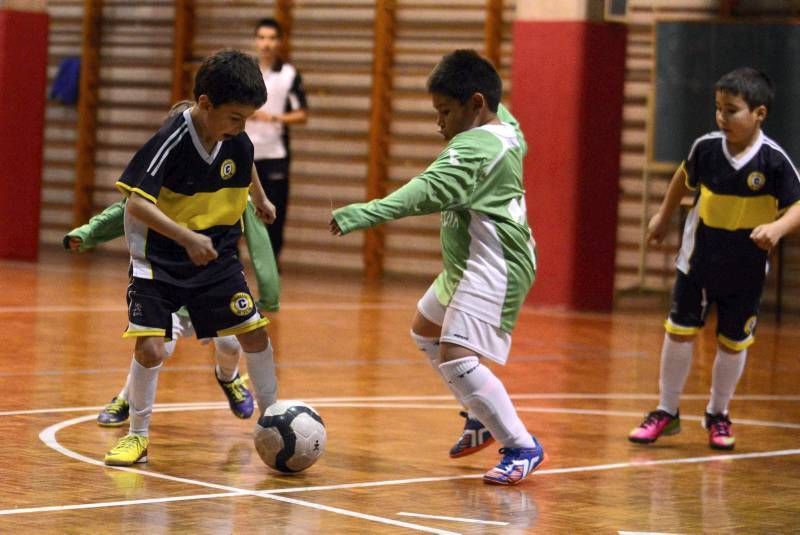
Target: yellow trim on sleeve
[246, 328]
[734, 345]
[127, 190]
[680, 330]
[686, 176]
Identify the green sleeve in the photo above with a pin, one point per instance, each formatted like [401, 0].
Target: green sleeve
[263, 259]
[105, 226]
[447, 184]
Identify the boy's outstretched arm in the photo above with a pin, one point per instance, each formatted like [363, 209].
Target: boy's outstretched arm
[105, 226]
[198, 246]
[676, 191]
[411, 199]
[446, 184]
[767, 236]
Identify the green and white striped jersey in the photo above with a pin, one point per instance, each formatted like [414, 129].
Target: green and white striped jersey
[487, 247]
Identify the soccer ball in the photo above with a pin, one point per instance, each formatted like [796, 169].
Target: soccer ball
[290, 436]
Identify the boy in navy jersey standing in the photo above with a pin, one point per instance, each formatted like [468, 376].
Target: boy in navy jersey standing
[187, 189]
[747, 198]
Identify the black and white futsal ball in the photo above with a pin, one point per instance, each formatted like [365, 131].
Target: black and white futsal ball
[290, 436]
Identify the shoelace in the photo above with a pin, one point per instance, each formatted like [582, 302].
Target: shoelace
[721, 427]
[235, 387]
[127, 441]
[653, 418]
[115, 406]
[508, 456]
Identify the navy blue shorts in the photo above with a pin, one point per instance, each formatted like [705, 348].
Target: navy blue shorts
[737, 300]
[219, 309]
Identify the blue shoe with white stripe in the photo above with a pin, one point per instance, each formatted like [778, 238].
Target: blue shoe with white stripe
[516, 465]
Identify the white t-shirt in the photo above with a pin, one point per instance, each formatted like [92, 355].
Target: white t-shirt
[284, 93]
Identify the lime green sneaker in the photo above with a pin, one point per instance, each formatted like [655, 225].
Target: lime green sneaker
[129, 450]
[115, 413]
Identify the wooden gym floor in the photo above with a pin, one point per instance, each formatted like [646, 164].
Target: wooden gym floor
[580, 382]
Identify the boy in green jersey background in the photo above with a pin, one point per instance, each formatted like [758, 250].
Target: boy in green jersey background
[488, 252]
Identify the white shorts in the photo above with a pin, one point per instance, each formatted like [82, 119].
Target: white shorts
[460, 328]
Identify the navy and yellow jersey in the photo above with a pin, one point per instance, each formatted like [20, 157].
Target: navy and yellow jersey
[734, 196]
[204, 192]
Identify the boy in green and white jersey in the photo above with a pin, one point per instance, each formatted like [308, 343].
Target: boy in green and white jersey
[488, 252]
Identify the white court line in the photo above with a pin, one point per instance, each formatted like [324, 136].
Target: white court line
[53, 508]
[455, 519]
[48, 436]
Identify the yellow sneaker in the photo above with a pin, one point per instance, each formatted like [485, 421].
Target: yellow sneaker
[129, 450]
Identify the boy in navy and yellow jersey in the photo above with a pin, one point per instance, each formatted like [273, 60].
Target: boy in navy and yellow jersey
[109, 225]
[747, 198]
[187, 189]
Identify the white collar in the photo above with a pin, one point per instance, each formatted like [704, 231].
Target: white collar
[739, 162]
[198, 145]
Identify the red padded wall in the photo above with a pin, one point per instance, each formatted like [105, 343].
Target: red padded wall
[567, 94]
[23, 84]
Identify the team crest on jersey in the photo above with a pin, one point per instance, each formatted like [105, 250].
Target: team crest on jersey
[242, 304]
[756, 180]
[227, 169]
[750, 325]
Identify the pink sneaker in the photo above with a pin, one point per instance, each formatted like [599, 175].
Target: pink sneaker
[720, 436]
[655, 424]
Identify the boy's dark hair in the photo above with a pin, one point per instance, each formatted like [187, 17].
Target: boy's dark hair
[231, 76]
[463, 73]
[269, 22]
[752, 85]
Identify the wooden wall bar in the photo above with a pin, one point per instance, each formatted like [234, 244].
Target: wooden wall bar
[379, 129]
[332, 44]
[182, 50]
[87, 110]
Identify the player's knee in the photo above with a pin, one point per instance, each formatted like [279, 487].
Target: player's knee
[254, 341]
[428, 345]
[227, 345]
[150, 351]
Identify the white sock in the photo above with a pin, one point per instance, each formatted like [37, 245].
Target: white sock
[487, 398]
[142, 396]
[676, 361]
[725, 376]
[227, 354]
[169, 348]
[430, 346]
[261, 368]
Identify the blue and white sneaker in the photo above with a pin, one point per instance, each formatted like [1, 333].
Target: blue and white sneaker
[516, 465]
[473, 439]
